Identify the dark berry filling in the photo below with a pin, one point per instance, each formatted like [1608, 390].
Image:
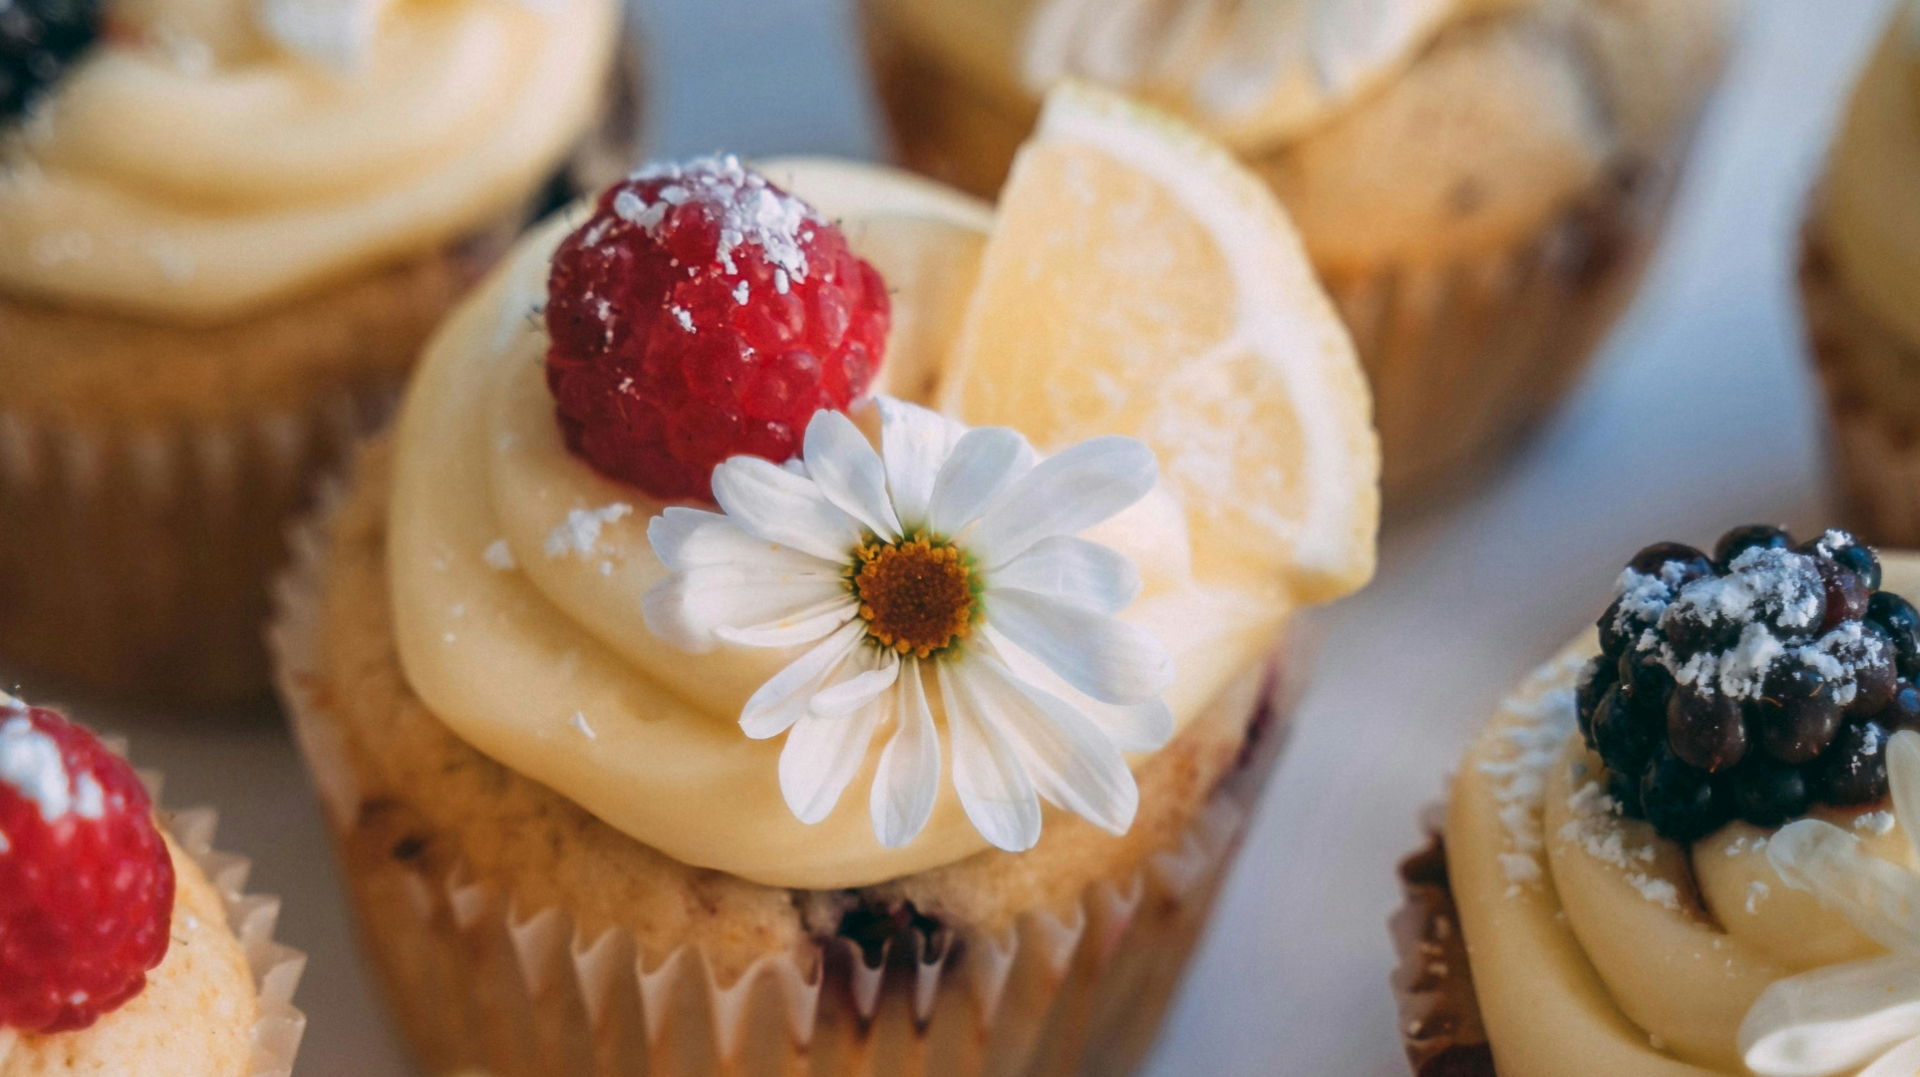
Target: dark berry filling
[1749, 685]
[39, 40]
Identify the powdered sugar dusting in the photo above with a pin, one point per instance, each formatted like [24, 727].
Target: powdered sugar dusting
[31, 765]
[750, 211]
[1594, 825]
[1875, 822]
[579, 533]
[1544, 709]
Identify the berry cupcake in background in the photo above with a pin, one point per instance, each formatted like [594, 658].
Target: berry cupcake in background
[126, 946]
[1690, 845]
[226, 228]
[1478, 184]
[806, 619]
[1860, 288]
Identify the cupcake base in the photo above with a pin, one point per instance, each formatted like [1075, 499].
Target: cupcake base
[1433, 982]
[1871, 375]
[1465, 355]
[538, 941]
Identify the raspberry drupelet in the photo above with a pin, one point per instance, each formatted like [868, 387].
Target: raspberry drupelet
[702, 313]
[86, 881]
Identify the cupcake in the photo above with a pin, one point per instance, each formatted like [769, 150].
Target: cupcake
[226, 228]
[1860, 288]
[686, 693]
[1689, 844]
[1478, 185]
[126, 946]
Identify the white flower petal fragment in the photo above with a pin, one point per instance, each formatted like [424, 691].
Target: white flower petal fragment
[772, 503]
[908, 777]
[988, 773]
[983, 464]
[914, 443]
[1882, 899]
[1070, 761]
[1109, 660]
[784, 699]
[1064, 495]
[849, 473]
[1832, 1020]
[1082, 572]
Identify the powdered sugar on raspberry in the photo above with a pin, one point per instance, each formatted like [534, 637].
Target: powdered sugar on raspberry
[752, 211]
[30, 764]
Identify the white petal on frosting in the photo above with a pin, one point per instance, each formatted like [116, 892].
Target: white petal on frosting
[983, 464]
[1903, 779]
[849, 472]
[336, 34]
[1902, 1061]
[684, 538]
[1879, 897]
[740, 603]
[859, 690]
[914, 442]
[774, 504]
[796, 628]
[821, 756]
[908, 777]
[1064, 495]
[988, 773]
[1108, 659]
[1074, 569]
[1832, 1020]
[1069, 760]
[783, 700]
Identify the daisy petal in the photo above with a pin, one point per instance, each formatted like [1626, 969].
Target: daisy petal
[856, 692]
[772, 503]
[908, 778]
[849, 472]
[1833, 1020]
[795, 629]
[1903, 779]
[1136, 727]
[1064, 495]
[994, 789]
[1877, 896]
[1110, 660]
[983, 464]
[1070, 761]
[783, 700]
[684, 538]
[692, 608]
[1089, 574]
[821, 756]
[914, 442]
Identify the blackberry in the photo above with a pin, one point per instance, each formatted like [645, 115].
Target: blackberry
[1645, 679]
[1706, 729]
[39, 40]
[1675, 562]
[1845, 593]
[1799, 715]
[1860, 560]
[1598, 676]
[1680, 801]
[1747, 537]
[1624, 788]
[1902, 624]
[1854, 770]
[1903, 708]
[1622, 736]
[1766, 792]
[1874, 674]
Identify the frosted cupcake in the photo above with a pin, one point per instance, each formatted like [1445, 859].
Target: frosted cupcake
[125, 945]
[226, 228]
[685, 693]
[1694, 853]
[1477, 184]
[1860, 284]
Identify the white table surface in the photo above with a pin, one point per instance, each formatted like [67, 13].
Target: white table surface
[1700, 414]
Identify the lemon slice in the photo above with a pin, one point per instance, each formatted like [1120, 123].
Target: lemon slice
[1139, 281]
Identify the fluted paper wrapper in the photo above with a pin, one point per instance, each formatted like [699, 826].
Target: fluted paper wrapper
[479, 984]
[1464, 355]
[1871, 375]
[1432, 982]
[140, 557]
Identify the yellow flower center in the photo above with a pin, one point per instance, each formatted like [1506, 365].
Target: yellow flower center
[916, 596]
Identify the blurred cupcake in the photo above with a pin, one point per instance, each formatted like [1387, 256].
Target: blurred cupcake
[1860, 285]
[1478, 184]
[126, 946]
[1693, 852]
[679, 706]
[226, 228]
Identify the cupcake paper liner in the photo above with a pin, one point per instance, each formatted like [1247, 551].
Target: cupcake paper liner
[1465, 356]
[1872, 380]
[1432, 981]
[147, 569]
[479, 983]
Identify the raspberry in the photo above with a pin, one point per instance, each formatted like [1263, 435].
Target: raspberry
[702, 313]
[86, 883]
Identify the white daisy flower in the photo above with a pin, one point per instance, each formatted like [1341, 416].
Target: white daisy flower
[1862, 1013]
[935, 568]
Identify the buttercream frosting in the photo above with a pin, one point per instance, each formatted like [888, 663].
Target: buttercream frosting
[1599, 947]
[511, 644]
[193, 167]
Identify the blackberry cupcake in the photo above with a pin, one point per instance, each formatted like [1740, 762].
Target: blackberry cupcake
[1694, 852]
[685, 695]
[1860, 288]
[225, 231]
[125, 944]
[1478, 185]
